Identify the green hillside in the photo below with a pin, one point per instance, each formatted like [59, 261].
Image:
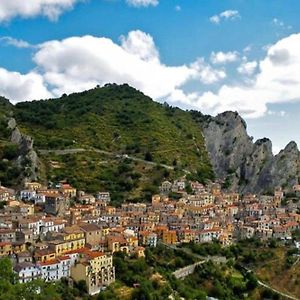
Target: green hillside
[121, 121]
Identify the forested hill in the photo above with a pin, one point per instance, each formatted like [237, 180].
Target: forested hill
[122, 121]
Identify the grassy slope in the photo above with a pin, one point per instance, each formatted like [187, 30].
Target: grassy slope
[118, 119]
[277, 273]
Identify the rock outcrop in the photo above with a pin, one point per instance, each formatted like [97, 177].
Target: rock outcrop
[244, 165]
[28, 158]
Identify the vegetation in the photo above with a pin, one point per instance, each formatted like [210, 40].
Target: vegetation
[124, 122]
[124, 178]
[117, 119]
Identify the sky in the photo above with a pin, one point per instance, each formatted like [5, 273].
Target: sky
[207, 55]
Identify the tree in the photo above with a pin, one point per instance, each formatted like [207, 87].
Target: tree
[148, 156]
[6, 273]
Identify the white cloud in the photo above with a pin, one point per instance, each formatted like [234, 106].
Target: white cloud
[142, 3]
[178, 8]
[19, 87]
[205, 73]
[247, 67]
[31, 8]
[15, 42]
[141, 45]
[224, 57]
[278, 81]
[80, 63]
[225, 15]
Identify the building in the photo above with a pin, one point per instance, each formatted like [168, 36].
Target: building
[56, 205]
[27, 272]
[55, 269]
[96, 269]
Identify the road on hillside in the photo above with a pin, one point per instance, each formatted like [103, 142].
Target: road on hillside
[265, 285]
[119, 156]
[185, 271]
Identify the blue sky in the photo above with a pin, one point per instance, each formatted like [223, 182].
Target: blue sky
[209, 55]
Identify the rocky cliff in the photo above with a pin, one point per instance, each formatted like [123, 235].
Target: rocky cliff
[27, 159]
[245, 165]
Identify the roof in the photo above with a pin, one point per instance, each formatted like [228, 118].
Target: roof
[23, 265]
[90, 227]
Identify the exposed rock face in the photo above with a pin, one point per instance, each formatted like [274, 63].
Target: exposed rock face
[248, 166]
[27, 157]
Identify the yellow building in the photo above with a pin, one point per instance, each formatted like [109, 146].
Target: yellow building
[44, 255]
[5, 249]
[61, 246]
[73, 233]
[169, 237]
[96, 269]
[33, 186]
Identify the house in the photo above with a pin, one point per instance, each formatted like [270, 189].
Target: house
[148, 238]
[33, 186]
[165, 187]
[6, 194]
[92, 234]
[5, 249]
[24, 256]
[56, 205]
[96, 269]
[43, 255]
[67, 190]
[27, 195]
[39, 199]
[103, 196]
[55, 269]
[7, 235]
[169, 237]
[27, 272]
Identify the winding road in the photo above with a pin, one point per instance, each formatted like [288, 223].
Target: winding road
[112, 154]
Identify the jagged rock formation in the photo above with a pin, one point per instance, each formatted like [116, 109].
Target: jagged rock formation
[27, 158]
[244, 165]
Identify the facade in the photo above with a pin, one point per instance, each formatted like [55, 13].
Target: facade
[27, 272]
[96, 269]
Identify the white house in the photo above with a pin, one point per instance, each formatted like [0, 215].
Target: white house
[27, 195]
[56, 269]
[27, 272]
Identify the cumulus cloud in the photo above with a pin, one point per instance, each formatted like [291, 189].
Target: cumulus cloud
[224, 57]
[80, 63]
[31, 8]
[142, 3]
[141, 45]
[205, 73]
[19, 87]
[247, 67]
[278, 81]
[225, 15]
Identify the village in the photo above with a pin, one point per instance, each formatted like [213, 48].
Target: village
[60, 232]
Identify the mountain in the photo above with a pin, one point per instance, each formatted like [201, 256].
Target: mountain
[245, 165]
[115, 138]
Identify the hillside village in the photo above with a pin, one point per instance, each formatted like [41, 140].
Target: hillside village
[58, 232]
